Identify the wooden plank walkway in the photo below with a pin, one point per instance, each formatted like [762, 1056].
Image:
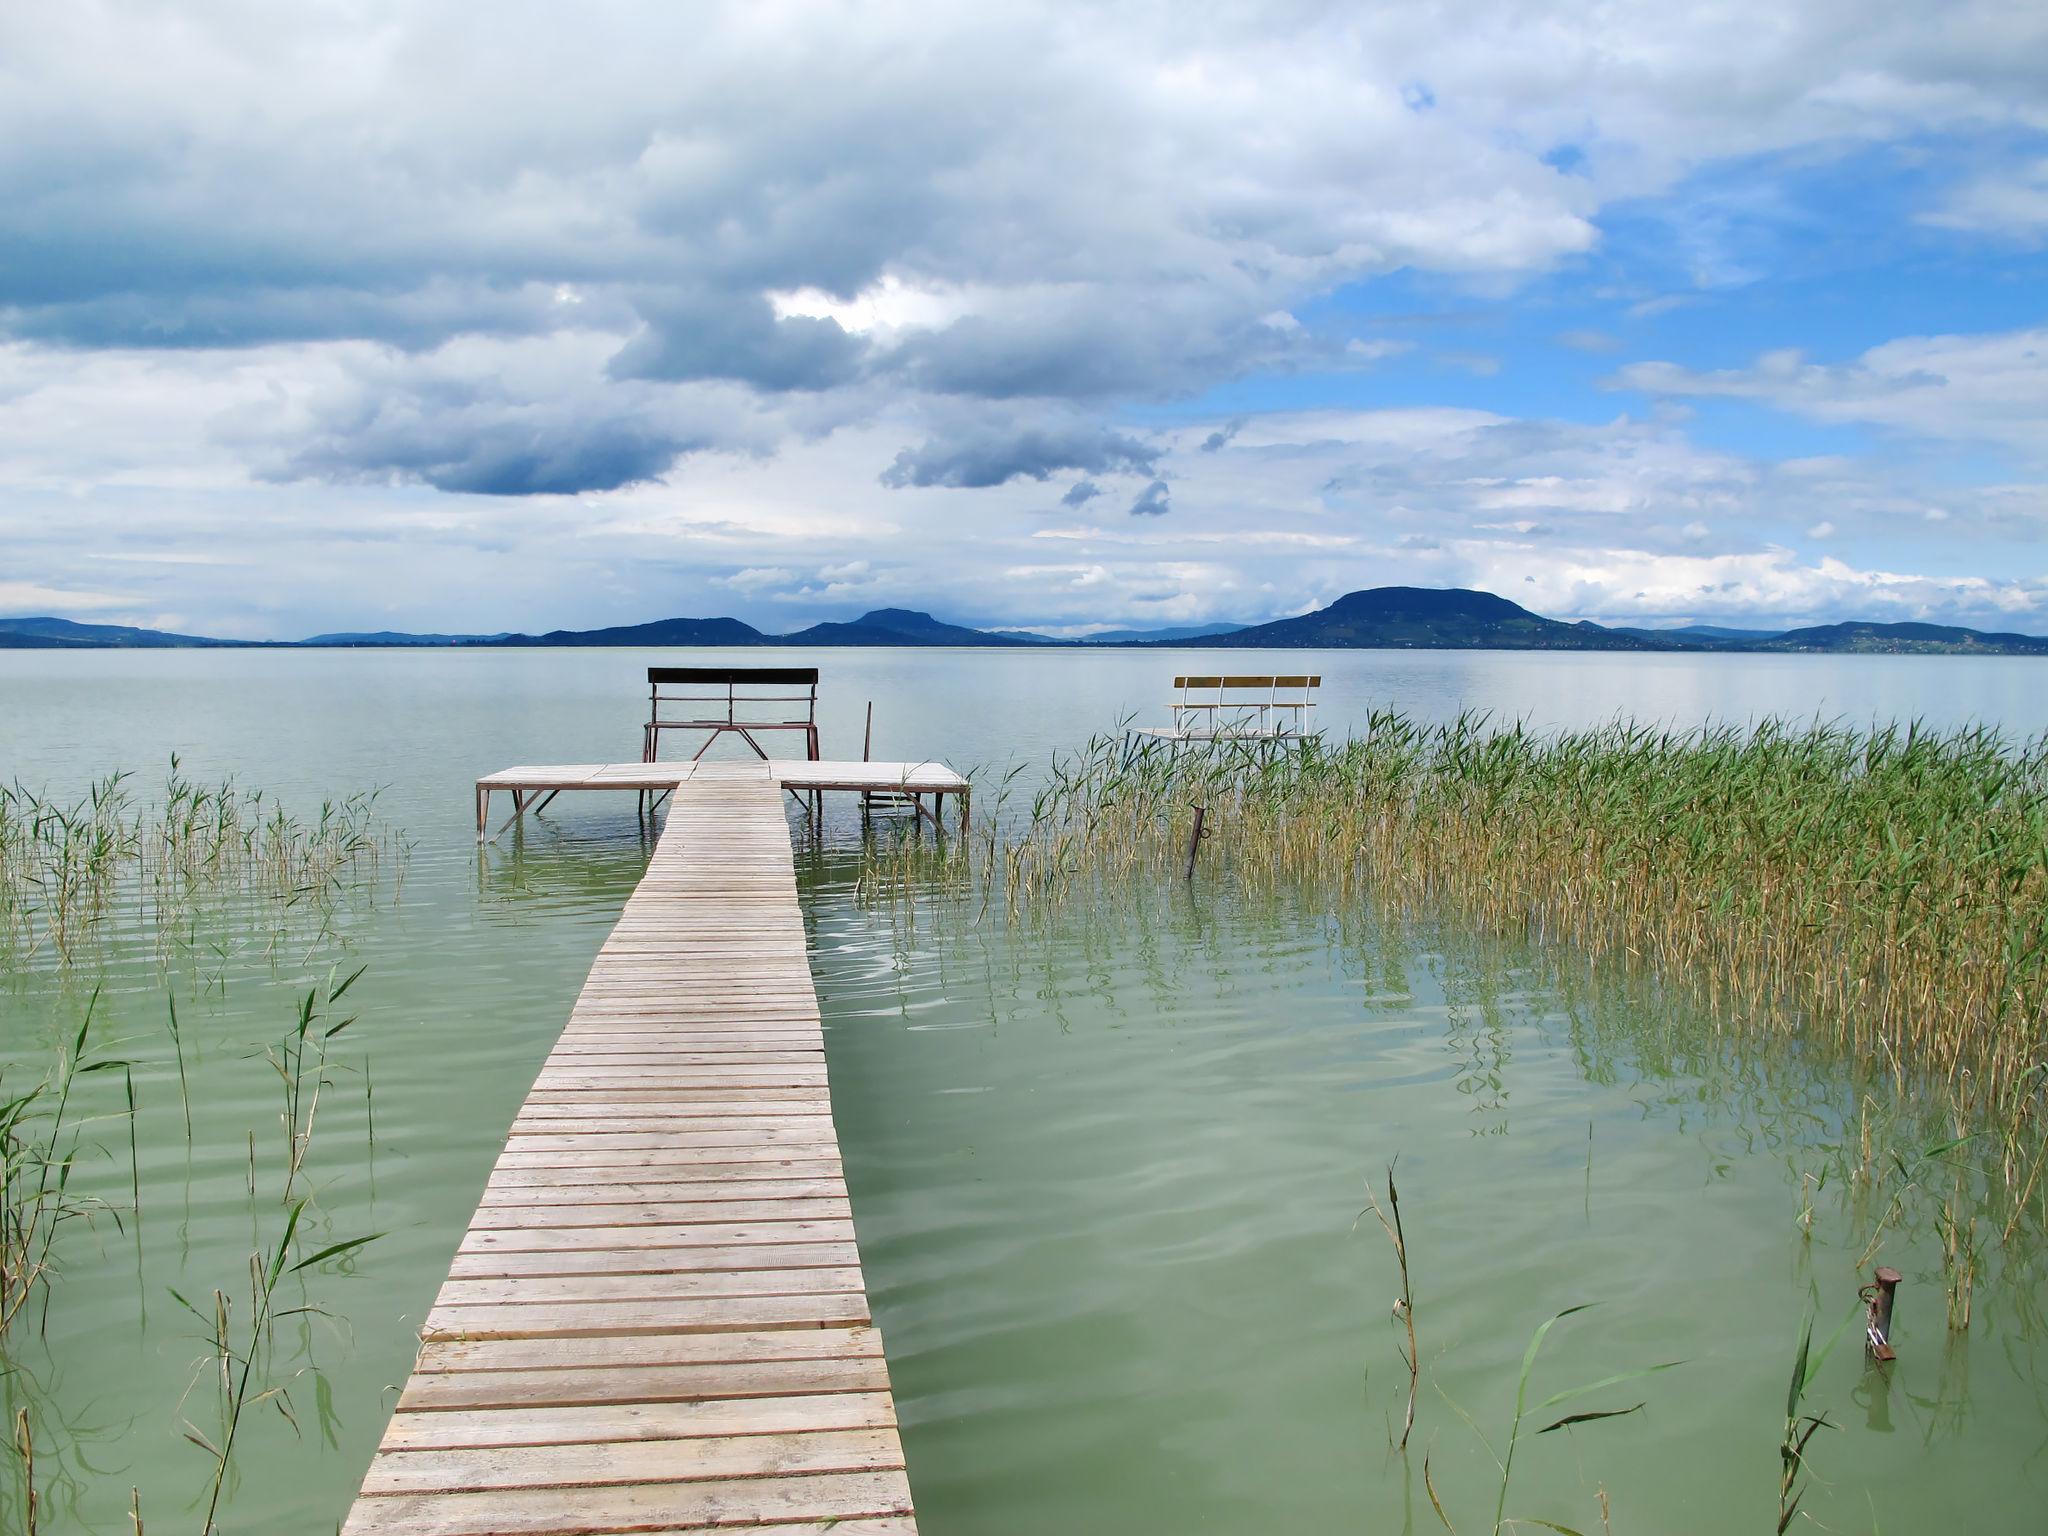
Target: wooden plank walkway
[656, 1320]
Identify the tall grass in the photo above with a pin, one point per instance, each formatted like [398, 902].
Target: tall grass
[41, 1142]
[1878, 894]
[68, 867]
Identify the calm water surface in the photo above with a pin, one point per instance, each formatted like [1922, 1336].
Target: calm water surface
[1106, 1171]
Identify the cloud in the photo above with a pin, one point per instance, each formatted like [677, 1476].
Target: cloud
[1990, 388]
[535, 416]
[2012, 202]
[715, 286]
[705, 335]
[757, 578]
[983, 452]
[1770, 583]
[1588, 340]
[976, 204]
[1478, 364]
[1152, 501]
[29, 599]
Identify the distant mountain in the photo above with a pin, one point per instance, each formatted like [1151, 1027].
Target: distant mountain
[1118, 636]
[64, 634]
[1904, 640]
[1711, 635]
[897, 626]
[398, 637]
[1716, 632]
[658, 632]
[1406, 618]
[1428, 617]
[1025, 637]
[1159, 636]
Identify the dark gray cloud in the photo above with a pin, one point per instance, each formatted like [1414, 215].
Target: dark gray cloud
[991, 453]
[708, 335]
[522, 418]
[535, 452]
[1152, 501]
[1221, 438]
[1080, 493]
[230, 317]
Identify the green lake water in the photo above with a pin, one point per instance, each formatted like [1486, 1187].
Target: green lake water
[1106, 1170]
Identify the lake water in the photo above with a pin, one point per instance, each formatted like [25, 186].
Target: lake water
[1105, 1171]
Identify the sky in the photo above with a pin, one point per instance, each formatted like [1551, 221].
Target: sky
[464, 317]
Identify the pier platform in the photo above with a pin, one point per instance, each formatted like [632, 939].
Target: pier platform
[533, 786]
[657, 1319]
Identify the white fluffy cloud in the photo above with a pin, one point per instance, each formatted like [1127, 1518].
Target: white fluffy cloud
[1989, 388]
[557, 312]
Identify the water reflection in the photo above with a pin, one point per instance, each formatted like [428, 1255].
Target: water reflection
[1106, 1165]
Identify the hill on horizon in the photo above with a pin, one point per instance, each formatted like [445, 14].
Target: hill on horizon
[897, 626]
[1858, 638]
[654, 632]
[69, 634]
[1434, 618]
[1385, 618]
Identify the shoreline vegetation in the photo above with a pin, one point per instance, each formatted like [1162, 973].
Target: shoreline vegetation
[67, 867]
[1876, 900]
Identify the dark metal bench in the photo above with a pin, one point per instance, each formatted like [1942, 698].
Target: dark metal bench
[717, 700]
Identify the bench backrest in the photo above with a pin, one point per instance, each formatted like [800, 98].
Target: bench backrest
[680, 694]
[1228, 704]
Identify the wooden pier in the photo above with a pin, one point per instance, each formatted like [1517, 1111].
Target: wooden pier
[532, 787]
[657, 1319]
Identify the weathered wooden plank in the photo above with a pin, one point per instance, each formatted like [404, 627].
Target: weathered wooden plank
[656, 1213]
[634, 1258]
[460, 1428]
[703, 1314]
[763, 1503]
[753, 1138]
[667, 1350]
[593, 1386]
[674, 1461]
[748, 1184]
[705, 1235]
[578, 1291]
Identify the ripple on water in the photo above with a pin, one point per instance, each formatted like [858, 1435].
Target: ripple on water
[1109, 1200]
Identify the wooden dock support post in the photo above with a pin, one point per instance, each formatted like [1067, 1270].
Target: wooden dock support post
[1878, 1299]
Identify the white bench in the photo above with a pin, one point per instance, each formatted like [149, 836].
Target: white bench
[1224, 708]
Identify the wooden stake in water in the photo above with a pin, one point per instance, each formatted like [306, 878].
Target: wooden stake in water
[1878, 1298]
[1195, 839]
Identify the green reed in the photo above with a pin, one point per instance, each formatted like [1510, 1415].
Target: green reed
[240, 1355]
[1880, 894]
[41, 1143]
[67, 867]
